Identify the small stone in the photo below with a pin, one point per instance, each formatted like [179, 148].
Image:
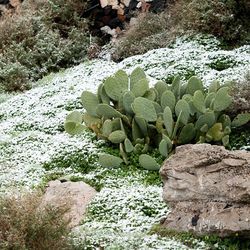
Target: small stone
[75, 196]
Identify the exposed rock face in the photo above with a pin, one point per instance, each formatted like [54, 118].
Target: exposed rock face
[208, 188]
[73, 195]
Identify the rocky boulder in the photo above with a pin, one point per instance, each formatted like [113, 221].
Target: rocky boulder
[75, 196]
[208, 189]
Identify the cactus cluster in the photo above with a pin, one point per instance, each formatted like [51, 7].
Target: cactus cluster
[128, 112]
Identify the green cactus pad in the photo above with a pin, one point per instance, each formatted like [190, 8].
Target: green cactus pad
[210, 99]
[227, 130]
[215, 133]
[207, 118]
[204, 128]
[123, 154]
[213, 87]
[168, 100]
[117, 136]
[91, 120]
[136, 76]
[182, 107]
[109, 161]
[116, 124]
[128, 146]
[222, 99]
[140, 88]
[241, 119]
[102, 95]
[136, 132]
[151, 94]
[122, 79]
[225, 120]
[107, 128]
[128, 98]
[225, 140]
[158, 108]
[89, 102]
[176, 87]
[113, 88]
[75, 116]
[161, 87]
[168, 120]
[169, 142]
[106, 111]
[144, 108]
[73, 128]
[148, 162]
[187, 134]
[163, 148]
[142, 125]
[194, 84]
[199, 101]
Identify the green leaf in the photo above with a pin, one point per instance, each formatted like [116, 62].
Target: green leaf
[187, 134]
[73, 128]
[148, 162]
[113, 88]
[222, 99]
[117, 136]
[74, 116]
[89, 102]
[194, 84]
[140, 88]
[144, 108]
[163, 148]
[128, 146]
[199, 101]
[136, 76]
[122, 79]
[106, 111]
[168, 120]
[109, 161]
[182, 107]
[240, 120]
[168, 100]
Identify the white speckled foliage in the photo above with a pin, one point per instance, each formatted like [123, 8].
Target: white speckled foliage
[31, 134]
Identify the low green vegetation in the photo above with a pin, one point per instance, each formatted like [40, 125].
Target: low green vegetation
[43, 36]
[138, 119]
[212, 241]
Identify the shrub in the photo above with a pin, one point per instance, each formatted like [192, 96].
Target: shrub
[43, 36]
[227, 20]
[241, 96]
[24, 226]
[128, 113]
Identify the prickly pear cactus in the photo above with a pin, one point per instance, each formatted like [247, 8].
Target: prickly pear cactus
[137, 117]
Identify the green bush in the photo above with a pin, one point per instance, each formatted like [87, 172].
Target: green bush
[43, 36]
[137, 118]
[24, 226]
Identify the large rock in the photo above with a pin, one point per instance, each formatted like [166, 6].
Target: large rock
[208, 189]
[75, 196]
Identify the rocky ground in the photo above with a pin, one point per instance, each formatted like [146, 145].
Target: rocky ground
[34, 147]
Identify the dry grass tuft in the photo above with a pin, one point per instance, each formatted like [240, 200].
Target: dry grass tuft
[23, 225]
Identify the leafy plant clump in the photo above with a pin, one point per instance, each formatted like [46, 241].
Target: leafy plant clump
[23, 225]
[137, 118]
[41, 37]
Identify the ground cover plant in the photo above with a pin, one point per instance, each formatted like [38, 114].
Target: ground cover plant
[42, 36]
[34, 147]
[127, 112]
